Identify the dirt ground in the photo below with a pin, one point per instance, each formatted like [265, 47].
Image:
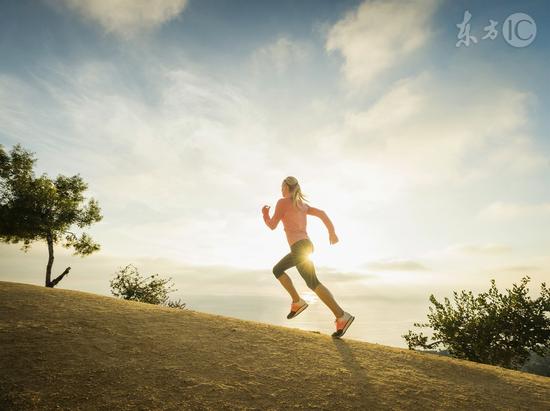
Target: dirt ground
[64, 349]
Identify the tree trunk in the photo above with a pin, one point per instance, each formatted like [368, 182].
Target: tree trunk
[49, 282]
[49, 239]
[60, 277]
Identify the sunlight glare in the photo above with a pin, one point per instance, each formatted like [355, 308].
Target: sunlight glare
[310, 297]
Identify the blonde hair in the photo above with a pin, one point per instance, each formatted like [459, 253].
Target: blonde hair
[295, 190]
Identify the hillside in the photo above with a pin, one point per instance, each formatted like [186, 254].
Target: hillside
[76, 350]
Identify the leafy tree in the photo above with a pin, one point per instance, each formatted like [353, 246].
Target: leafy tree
[130, 285]
[492, 328]
[42, 209]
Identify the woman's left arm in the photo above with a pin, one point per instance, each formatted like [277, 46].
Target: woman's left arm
[274, 221]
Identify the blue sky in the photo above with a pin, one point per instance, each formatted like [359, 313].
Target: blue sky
[184, 116]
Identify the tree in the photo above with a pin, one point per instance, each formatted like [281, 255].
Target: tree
[42, 209]
[490, 328]
[130, 285]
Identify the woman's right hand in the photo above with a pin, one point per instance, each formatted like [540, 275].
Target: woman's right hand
[333, 238]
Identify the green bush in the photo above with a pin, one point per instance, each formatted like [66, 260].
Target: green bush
[492, 328]
[130, 285]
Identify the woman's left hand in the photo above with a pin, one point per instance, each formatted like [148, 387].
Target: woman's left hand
[333, 238]
[265, 209]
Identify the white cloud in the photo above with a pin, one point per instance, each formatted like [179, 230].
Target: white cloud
[396, 265]
[521, 268]
[183, 160]
[425, 130]
[481, 249]
[279, 55]
[176, 155]
[378, 35]
[501, 211]
[127, 18]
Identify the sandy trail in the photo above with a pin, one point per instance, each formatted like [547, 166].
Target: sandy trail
[78, 350]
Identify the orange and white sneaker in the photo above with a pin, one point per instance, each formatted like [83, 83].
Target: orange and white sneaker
[296, 308]
[342, 324]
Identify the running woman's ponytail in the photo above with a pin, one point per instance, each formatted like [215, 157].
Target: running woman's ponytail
[295, 190]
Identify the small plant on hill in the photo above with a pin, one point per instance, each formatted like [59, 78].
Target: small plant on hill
[130, 285]
[43, 209]
[492, 328]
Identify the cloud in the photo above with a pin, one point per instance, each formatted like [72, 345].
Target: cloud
[167, 168]
[378, 35]
[126, 18]
[504, 211]
[521, 268]
[279, 55]
[480, 249]
[427, 130]
[330, 274]
[395, 265]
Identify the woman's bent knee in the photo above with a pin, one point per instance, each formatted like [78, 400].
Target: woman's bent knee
[277, 272]
[313, 283]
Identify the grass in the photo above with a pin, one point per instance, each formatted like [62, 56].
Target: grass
[65, 349]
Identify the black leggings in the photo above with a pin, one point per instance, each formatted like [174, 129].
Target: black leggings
[298, 256]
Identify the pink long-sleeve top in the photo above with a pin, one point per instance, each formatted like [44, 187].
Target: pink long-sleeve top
[294, 219]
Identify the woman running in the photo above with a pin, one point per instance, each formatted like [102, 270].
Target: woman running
[293, 210]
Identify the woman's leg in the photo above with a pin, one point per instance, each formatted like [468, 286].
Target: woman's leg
[289, 286]
[306, 268]
[326, 296]
[279, 271]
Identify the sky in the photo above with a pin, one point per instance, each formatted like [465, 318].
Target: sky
[430, 156]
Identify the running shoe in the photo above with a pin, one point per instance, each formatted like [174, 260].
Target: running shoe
[296, 308]
[342, 324]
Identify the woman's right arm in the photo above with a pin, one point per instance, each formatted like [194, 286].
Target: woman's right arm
[326, 221]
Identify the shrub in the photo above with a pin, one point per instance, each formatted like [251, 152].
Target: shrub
[491, 328]
[130, 285]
